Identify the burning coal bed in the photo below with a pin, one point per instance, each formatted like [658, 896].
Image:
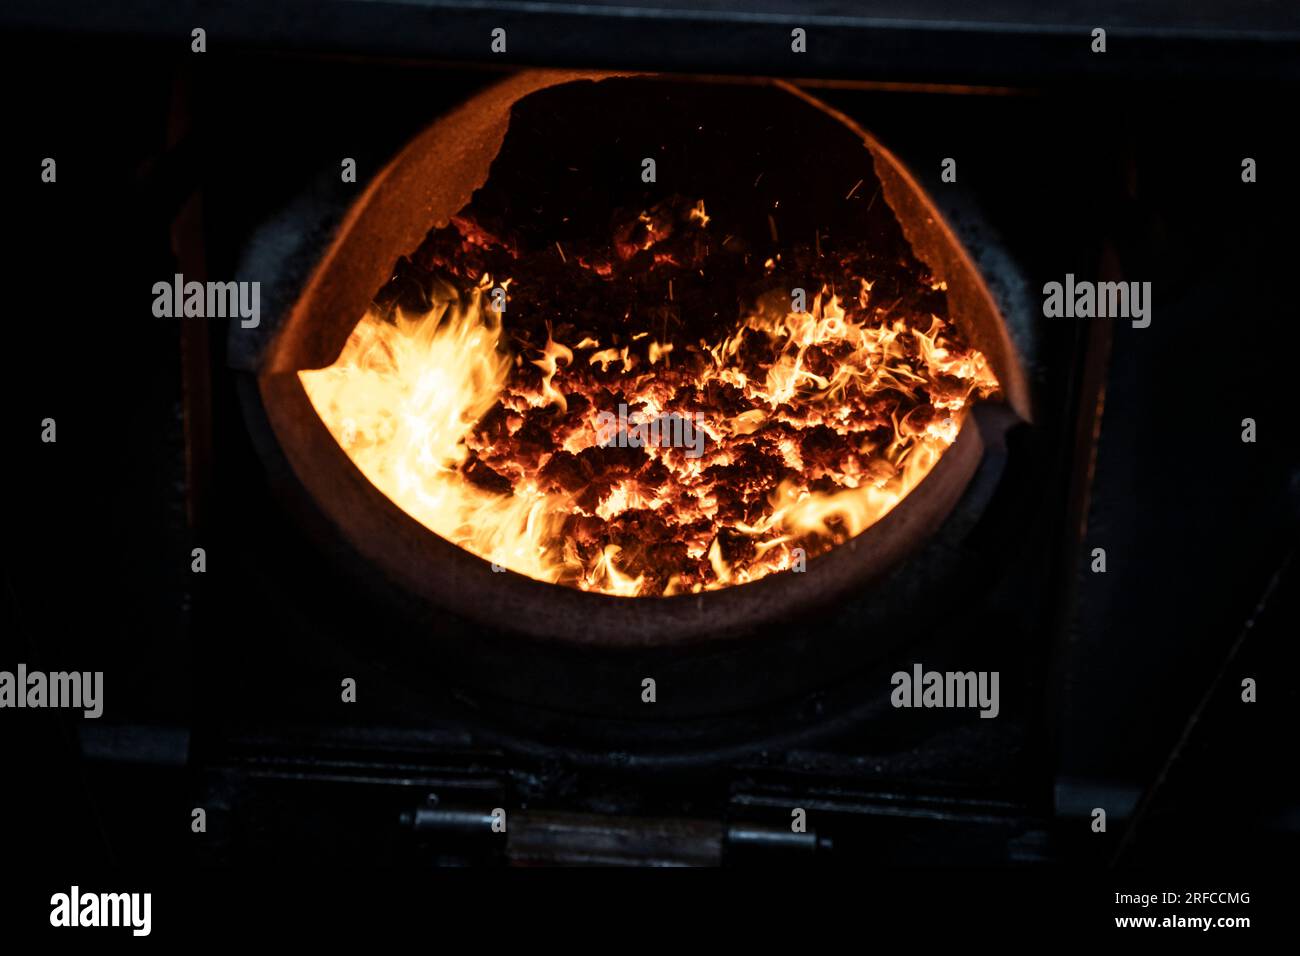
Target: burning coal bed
[657, 409]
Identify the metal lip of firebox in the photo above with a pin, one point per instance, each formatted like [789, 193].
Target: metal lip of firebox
[419, 187]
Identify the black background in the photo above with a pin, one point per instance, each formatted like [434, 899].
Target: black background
[1197, 524]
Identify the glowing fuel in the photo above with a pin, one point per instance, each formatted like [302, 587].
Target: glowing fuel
[815, 424]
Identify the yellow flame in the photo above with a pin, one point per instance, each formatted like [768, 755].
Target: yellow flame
[400, 400]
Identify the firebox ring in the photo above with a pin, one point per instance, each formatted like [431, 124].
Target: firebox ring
[389, 538]
[354, 265]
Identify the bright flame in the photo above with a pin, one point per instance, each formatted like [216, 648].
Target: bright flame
[400, 400]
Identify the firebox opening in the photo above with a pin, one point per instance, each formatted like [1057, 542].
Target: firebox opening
[805, 199]
[660, 374]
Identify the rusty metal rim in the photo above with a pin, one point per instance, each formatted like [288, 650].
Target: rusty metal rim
[388, 220]
[453, 578]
